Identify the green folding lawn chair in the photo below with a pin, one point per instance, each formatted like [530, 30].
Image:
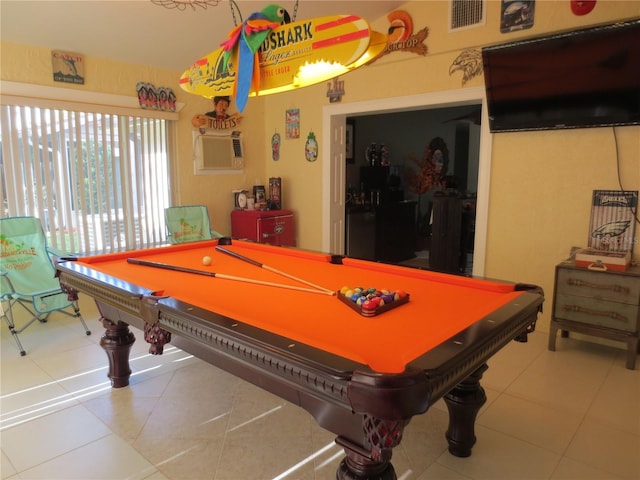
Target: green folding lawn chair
[189, 224]
[27, 276]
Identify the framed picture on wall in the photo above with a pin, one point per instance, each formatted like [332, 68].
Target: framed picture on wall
[292, 123]
[349, 141]
[67, 67]
[516, 15]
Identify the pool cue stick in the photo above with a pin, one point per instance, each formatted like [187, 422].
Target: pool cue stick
[271, 269]
[175, 268]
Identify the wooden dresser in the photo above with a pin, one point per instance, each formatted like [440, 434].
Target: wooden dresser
[600, 303]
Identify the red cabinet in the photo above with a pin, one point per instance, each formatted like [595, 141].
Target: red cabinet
[276, 227]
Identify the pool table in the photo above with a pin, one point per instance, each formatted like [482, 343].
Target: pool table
[361, 377]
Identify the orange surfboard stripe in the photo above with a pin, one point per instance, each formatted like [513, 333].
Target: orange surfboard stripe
[337, 22]
[341, 39]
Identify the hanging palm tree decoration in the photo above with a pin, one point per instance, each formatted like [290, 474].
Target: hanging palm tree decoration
[428, 176]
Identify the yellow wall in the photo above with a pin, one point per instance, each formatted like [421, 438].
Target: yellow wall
[27, 64]
[541, 182]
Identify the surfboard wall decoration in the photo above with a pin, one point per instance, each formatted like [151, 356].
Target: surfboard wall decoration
[294, 55]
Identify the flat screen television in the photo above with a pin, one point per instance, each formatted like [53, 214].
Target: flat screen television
[584, 78]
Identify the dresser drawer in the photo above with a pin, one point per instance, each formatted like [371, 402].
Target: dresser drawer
[602, 304]
[603, 286]
[591, 311]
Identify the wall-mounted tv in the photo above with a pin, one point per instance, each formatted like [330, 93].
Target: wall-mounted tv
[584, 78]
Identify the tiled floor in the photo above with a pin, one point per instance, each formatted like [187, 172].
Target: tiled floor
[572, 414]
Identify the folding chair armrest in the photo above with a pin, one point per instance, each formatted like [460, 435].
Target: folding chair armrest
[6, 287]
[57, 253]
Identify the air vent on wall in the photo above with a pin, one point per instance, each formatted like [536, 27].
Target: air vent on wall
[466, 13]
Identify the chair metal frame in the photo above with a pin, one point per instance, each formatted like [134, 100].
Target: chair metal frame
[40, 297]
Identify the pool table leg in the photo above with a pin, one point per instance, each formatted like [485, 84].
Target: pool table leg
[358, 464]
[116, 342]
[464, 402]
[375, 464]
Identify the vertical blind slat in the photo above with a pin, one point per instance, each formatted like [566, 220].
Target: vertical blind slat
[144, 170]
[111, 217]
[125, 179]
[137, 167]
[8, 187]
[83, 223]
[35, 164]
[27, 156]
[56, 163]
[47, 168]
[121, 219]
[64, 177]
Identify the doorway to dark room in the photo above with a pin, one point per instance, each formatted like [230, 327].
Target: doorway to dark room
[411, 187]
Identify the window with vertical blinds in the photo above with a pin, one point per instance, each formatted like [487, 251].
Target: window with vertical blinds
[99, 182]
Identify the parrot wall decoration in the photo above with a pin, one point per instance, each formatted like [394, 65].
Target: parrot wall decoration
[243, 44]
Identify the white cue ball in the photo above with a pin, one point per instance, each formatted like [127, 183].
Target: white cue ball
[206, 260]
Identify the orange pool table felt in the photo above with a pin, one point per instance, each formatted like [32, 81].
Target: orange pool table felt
[440, 305]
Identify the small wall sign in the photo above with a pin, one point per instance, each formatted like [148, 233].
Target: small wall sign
[275, 147]
[335, 90]
[154, 98]
[401, 37]
[292, 123]
[311, 148]
[67, 67]
[516, 15]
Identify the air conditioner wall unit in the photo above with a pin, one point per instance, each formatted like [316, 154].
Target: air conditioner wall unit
[217, 154]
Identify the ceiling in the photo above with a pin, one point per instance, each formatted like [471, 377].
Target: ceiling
[138, 31]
